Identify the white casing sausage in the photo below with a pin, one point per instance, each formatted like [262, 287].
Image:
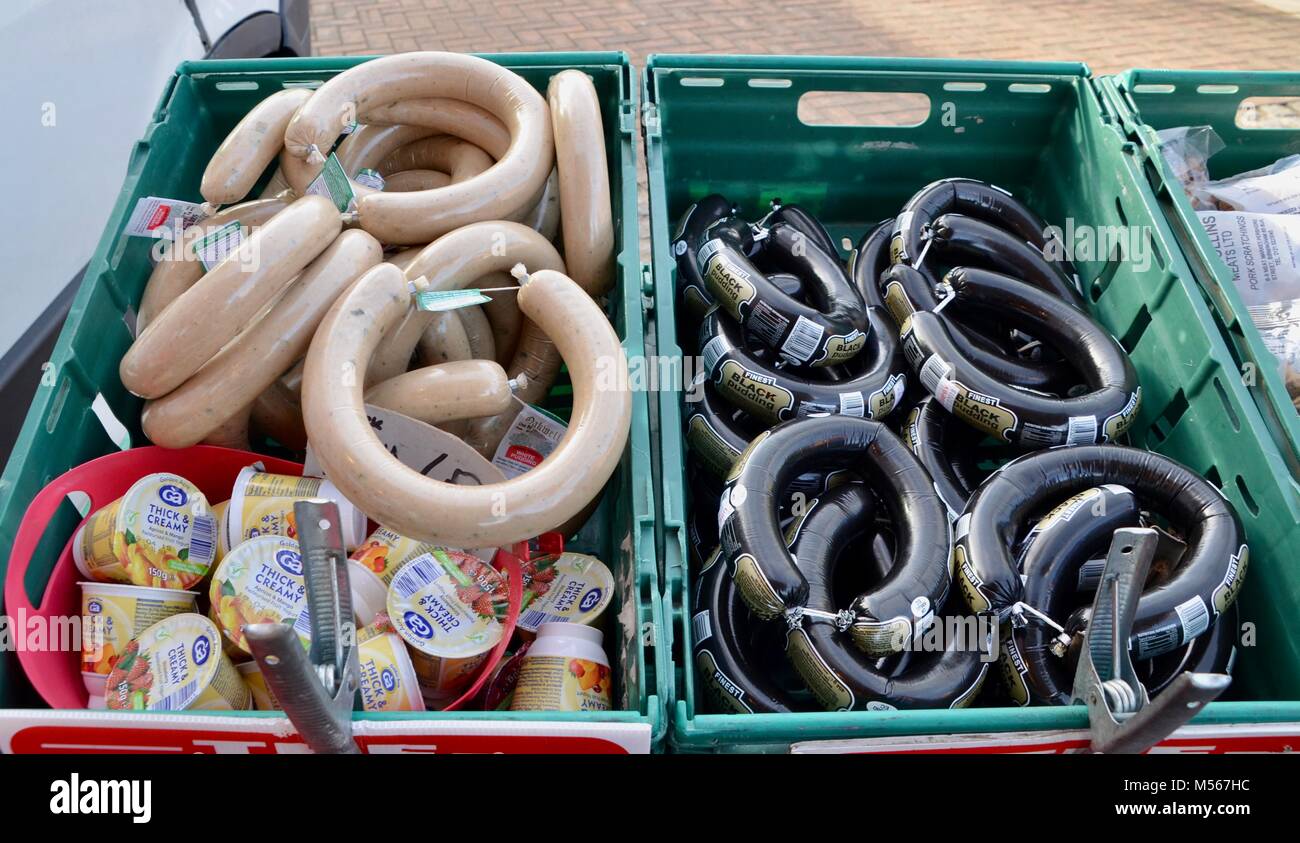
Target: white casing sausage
[495, 514]
[448, 116]
[408, 180]
[175, 274]
[250, 147]
[516, 180]
[208, 315]
[445, 340]
[256, 359]
[587, 221]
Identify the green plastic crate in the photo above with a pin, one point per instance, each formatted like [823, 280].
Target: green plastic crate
[1149, 100]
[199, 106]
[729, 124]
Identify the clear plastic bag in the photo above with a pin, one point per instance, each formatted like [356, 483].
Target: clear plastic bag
[1187, 151]
[1274, 189]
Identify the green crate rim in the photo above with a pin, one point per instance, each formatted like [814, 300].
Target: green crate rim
[656, 667]
[711, 732]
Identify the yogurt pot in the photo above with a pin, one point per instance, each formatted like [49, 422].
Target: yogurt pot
[263, 699]
[261, 504]
[160, 534]
[175, 665]
[564, 588]
[447, 606]
[112, 614]
[260, 581]
[371, 568]
[565, 669]
[388, 679]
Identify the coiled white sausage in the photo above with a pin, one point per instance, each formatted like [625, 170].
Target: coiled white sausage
[514, 181]
[250, 147]
[458, 259]
[448, 116]
[224, 301]
[408, 180]
[587, 221]
[482, 345]
[459, 159]
[175, 274]
[495, 514]
[445, 340]
[256, 359]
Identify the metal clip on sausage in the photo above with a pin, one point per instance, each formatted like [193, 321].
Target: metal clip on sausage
[317, 688]
[1123, 718]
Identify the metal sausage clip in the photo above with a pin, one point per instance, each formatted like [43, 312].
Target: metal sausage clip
[316, 689]
[1123, 718]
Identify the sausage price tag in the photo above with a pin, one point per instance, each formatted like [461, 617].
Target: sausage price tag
[216, 245]
[333, 184]
[155, 217]
[439, 300]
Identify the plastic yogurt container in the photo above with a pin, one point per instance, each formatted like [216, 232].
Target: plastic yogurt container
[176, 664]
[568, 588]
[260, 581]
[161, 534]
[261, 504]
[112, 614]
[565, 669]
[447, 606]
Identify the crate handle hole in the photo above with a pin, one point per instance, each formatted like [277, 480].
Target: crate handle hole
[702, 82]
[310, 84]
[1228, 409]
[764, 82]
[1246, 497]
[1217, 89]
[1029, 87]
[1269, 113]
[969, 87]
[1154, 88]
[846, 243]
[895, 109]
[238, 86]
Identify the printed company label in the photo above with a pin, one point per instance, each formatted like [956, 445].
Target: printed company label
[707, 445]
[532, 437]
[1226, 592]
[333, 184]
[155, 216]
[1116, 425]
[744, 455]
[261, 581]
[880, 637]
[1014, 670]
[897, 303]
[754, 392]
[826, 685]
[569, 588]
[843, 347]
[968, 581]
[755, 588]
[723, 692]
[561, 683]
[883, 401]
[174, 665]
[217, 245]
[728, 283]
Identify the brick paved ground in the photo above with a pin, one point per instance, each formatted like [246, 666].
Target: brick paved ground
[1110, 34]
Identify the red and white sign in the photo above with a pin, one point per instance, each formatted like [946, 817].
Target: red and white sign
[1199, 740]
[42, 731]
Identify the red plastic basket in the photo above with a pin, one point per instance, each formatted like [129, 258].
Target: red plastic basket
[56, 675]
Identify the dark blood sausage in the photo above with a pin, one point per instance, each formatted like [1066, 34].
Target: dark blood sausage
[830, 329]
[721, 636]
[841, 677]
[806, 224]
[873, 385]
[693, 299]
[983, 201]
[963, 241]
[717, 433]
[1027, 419]
[946, 448]
[766, 574]
[1213, 652]
[1171, 613]
[907, 290]
[1052, 554]
[869, 261]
